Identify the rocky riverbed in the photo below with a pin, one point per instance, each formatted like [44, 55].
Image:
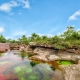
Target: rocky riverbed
[48, 54]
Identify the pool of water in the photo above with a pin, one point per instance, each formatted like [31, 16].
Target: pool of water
[17, 66]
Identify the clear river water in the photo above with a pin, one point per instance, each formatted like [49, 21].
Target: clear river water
[16, 66]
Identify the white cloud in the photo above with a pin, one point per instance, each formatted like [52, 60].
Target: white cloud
[7, 7]
[74, 16]
[25, 3]
[1, 30]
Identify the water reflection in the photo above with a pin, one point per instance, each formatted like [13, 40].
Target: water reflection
[32, 63]
[23, 54]
[1, 54]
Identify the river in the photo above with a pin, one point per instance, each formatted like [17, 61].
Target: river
[15, 65]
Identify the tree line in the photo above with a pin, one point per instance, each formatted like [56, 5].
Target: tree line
[69, 38]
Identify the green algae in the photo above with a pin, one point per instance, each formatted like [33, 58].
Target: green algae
[28, 70]
[32, 77]
[22, 79]
[64, 62]
[17, 69]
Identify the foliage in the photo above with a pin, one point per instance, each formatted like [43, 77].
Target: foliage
[2, 39]
[23, 40]
[57, 46]
[69, 38]
[66, 44]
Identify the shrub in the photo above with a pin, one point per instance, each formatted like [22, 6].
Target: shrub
[57, 46]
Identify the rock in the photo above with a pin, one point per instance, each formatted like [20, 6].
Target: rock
[40, 58]
[32, 43]
[44, 51]
[58, 75]
[66, 56]
[28, 49]
[71, 72]
[79, 62]
[4, 47]
[71, 50]
[77, 57]
[48, 53]
[14, 46]
[53, 57]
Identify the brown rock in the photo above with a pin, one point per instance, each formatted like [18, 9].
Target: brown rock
[4, 47]
[71, 72]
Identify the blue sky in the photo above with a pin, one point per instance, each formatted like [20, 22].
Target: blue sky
[44, 17]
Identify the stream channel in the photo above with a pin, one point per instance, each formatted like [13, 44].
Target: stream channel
[15, 65]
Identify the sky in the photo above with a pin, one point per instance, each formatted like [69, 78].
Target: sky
[43, 17]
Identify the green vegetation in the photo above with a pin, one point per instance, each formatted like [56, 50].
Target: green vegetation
[2, 39]
[65, 62]
[23, 54]
[67, 39]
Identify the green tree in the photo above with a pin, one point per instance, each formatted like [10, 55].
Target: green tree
[33, 37]
[23, 40]
[2, 39]
[68, 33]
[55, 39]
[75, 36]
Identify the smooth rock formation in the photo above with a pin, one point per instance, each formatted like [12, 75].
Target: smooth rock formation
[51, 55]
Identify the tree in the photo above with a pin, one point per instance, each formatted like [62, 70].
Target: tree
[68, 33]
[44, 37]
[33, 37]
[2, 39]
[55, 39]
[75, 36]
[23, 40]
